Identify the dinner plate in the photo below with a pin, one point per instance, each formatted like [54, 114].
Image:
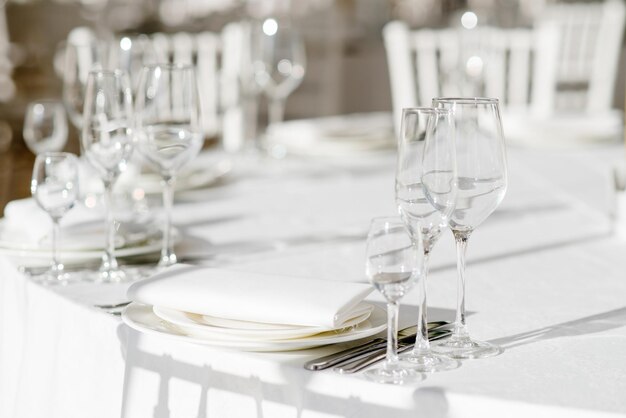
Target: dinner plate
[29, 256]
[195, 325]
[142, 318]
[82, 236]
[335, 135]
[203, 171]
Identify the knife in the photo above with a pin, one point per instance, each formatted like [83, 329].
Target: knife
[362, 362]
[406, 334]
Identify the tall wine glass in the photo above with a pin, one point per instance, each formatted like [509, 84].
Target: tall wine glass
[107, 142]
[392, 266]
[81, 56]
[279, 63]
[168, 131]
[54, 185]
[426, 153]
[45, 126]
[482, 183]
[131, 54]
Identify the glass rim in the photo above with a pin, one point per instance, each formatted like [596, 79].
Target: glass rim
[169, 66]
[46, 100]
[464, 100]
[106, 72]
[56, 154]
[425, 109]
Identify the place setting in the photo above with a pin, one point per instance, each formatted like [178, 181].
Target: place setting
[438, 184]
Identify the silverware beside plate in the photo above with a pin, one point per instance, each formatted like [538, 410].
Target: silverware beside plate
[406, 336]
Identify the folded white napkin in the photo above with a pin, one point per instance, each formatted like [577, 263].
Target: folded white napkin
[252, 297]
[33, 224]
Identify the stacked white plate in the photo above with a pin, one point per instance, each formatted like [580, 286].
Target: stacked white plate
[251, 311]
[25, 236]
[335, 135]
[247, 336]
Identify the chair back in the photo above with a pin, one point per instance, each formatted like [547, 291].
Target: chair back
[588, 58]
[518, 66]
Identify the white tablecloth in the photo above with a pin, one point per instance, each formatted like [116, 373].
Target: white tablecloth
[546, 280]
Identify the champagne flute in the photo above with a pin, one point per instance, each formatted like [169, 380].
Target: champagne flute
[54, 185]
[107, 143]
[426, 154]
[392, 266]
[168, 131]
[45, 126]
[278, 63]
[482, 183]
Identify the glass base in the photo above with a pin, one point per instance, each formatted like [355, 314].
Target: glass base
[466, 348]
[112, 276]
[394, 375]
[429, 362]
[53, 278]
[167, 260]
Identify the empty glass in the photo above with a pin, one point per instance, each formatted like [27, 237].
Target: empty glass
[168, 131]
[482, 182]
[107, 143]
[278, 62]
[80, 58]
[45, 126]
[54, 186]
[426, 154]
[131, 55]
[392, 266]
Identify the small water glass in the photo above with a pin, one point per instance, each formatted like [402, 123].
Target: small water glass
[54, 186]
[45, 126]
[393, 265]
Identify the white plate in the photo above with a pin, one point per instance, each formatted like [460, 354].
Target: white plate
[196, 326]
[143, 319]
[205, 170]
[335, 135]
[30, 257]
[88, 235]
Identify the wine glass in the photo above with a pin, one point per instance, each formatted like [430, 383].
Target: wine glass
[392, 266]
[278, 62]
[426, 154]
[107, 143]
[131, 55]
[45, 126]
[482, 183]
[168, 131]
[54, 185]
[81, 56]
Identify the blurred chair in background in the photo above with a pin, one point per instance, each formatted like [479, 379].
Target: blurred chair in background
[217, 58]
[527, 69]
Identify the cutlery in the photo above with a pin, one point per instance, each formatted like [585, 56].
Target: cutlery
[362, 362]
[113, 306]
[366, 348]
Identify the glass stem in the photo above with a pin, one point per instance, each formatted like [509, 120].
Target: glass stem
[422, 345]
[109, 262]
[168, 257]
[392, 333]
[57, 267]
[460, 331]
[276, 110]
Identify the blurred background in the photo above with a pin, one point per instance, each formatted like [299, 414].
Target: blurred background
[352, 56]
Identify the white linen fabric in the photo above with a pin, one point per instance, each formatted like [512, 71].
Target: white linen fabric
[243, 296]
[34, 224]
[545, 279]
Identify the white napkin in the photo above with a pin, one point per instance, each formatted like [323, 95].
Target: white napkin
[253, 297]
[33, 224]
